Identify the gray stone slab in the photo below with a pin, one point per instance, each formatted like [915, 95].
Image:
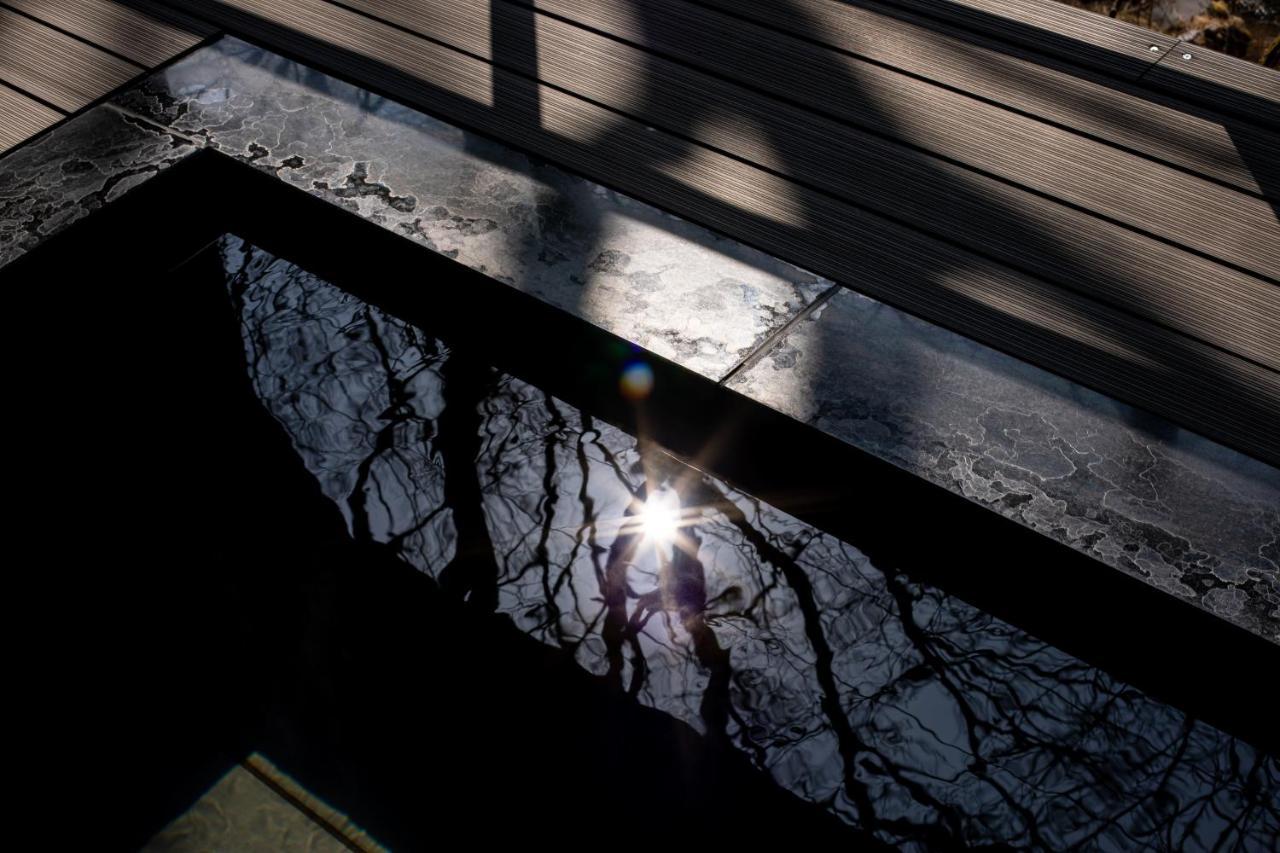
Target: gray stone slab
[1188, 516]
[255, 808]
[77, 168]
[668, 285]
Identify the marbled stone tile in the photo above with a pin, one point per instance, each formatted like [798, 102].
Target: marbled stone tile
[668, 285]
[76, 169]
[1177, 510]
[243, 813]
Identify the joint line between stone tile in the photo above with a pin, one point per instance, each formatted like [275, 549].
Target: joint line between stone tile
[125, 111]
[768, 343]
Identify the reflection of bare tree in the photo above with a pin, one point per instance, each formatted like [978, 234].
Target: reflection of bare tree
[363, 419]
[473, 573]
[899, 708]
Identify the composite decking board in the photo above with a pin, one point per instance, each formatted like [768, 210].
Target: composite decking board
[21, 117]
[55, 67]
[1178, 377]
[1165, 202]
[1245, 88]
[1080, 36]
[1223, 82]
[145, 39]
[1069, 247]
[1125, 114]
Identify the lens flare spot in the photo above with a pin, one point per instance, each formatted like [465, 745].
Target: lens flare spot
[660, 517]
[636, 382]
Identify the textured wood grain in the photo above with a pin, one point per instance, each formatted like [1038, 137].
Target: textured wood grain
[148, 39]
[1164, 202]
[1064, 245]
[1246, 88]
[21, 117]
[1169, 373]
[1124, 114]
[55, 67]
[1080, 36]
[1222, 82]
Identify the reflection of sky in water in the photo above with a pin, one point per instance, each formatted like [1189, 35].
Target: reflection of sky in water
[900, 708]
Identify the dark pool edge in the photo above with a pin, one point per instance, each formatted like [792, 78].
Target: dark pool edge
[1263, 625]
[1174, 650]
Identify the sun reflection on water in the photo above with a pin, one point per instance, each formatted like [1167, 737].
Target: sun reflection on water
[660, 517]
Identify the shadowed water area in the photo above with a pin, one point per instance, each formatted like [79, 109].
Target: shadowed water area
[445, 600]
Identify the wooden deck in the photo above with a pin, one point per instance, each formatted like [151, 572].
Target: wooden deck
[58, 56]
[1056, 184]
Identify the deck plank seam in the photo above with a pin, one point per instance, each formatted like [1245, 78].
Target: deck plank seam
[1015, 50]
[941, 239]
[914, 16]
[354, 75]
[990, 101]
[1046, 48]
[105, 98]
[865, 128]
[1150, 67]
[853, 202]
[32, 96]
[71, 35]
[880, 134]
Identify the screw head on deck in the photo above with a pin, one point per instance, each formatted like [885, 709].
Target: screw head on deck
[1186, 56]
[1155, 48]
